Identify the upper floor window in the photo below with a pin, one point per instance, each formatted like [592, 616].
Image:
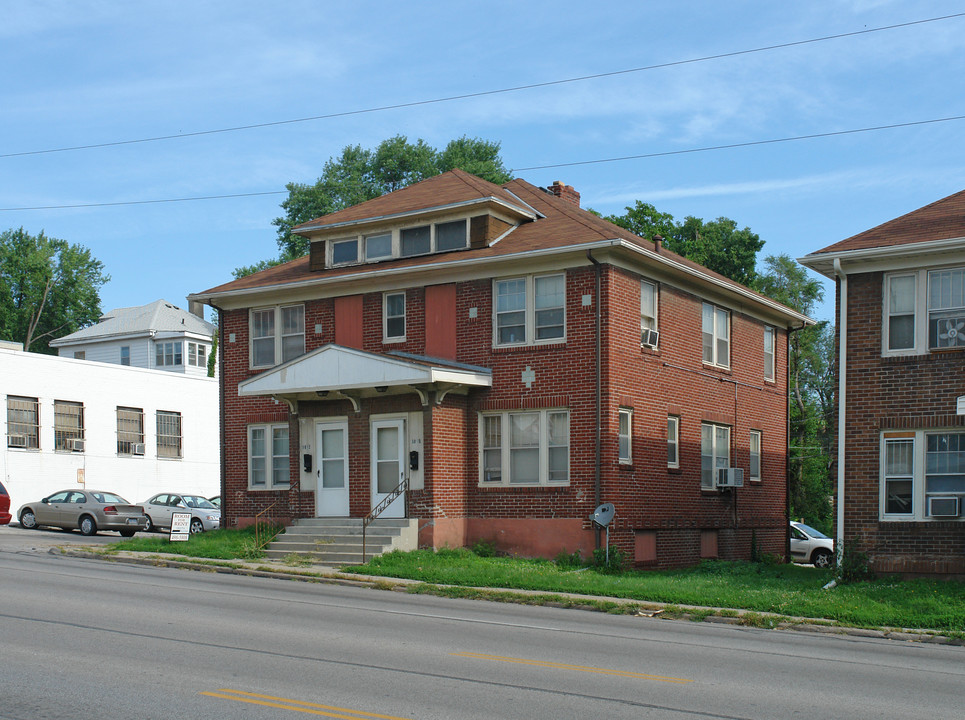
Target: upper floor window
[68, 425]
[277, 334]
[525, 448]
[924, 310]
[715, 326]
[648, 313]
[80, 354]
[529, 310]
[125, 354]
[714, 453]
[393, 316]
[23, 422]
[167, 353]
[197, 354]
[769, 334]
[404, 242]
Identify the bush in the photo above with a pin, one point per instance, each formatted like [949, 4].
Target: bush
[614, 565]
[568, 561]
[484, 548]
[855, 566]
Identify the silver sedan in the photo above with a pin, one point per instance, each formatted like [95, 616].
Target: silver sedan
[160, 508]
[86, 510]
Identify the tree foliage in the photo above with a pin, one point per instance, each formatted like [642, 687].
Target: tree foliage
[357, 175]
[48, 288]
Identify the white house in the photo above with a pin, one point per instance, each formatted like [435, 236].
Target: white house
[158, 335]
[134, 431]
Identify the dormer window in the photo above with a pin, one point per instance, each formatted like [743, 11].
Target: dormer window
[402, 243]
[345, 252]
[378, 247]
[416, 241]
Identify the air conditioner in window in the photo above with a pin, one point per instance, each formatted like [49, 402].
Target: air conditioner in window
[77, 445]
[944, 506]
[17, 441]
[650, 338]
[137, 448]
[730, 477]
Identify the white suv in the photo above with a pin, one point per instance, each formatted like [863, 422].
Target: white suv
[810, 546]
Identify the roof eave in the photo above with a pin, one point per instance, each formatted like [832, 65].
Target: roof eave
[823, 262]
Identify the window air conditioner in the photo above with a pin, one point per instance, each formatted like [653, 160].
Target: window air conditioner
[943, 506]
[137, 448]
[650, 338]
[730, 477]
[17, 441]
[77, 445]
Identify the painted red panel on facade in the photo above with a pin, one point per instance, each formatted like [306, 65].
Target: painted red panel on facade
[441, 321]
[348, 321]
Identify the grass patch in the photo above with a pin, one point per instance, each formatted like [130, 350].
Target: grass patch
[224, 544]
[787, 590]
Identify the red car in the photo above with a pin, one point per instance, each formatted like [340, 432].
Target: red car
[4, 506]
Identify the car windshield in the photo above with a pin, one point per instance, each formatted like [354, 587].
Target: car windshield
[106, 497]
[812, 532]
[196, 501]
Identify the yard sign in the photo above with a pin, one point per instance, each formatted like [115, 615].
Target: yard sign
[180, 526]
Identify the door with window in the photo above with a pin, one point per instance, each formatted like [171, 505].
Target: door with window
[388, 464]
[331, 487]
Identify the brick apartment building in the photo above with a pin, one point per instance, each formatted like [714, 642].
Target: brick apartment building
[508, 361]
[901, 389]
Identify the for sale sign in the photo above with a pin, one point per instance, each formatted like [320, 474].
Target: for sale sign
[180, 526]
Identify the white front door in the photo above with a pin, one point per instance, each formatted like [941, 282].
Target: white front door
[331, 488]
[388, 464]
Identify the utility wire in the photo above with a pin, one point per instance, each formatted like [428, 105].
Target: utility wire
[483, 93]
[542, 167]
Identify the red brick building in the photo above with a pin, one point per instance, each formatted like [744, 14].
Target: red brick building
[509, 362]
[901, 389]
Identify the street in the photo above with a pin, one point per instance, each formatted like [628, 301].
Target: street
[82, 638]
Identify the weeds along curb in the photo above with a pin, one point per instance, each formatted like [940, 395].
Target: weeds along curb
[613, 606]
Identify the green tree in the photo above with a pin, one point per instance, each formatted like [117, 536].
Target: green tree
[48, 288]
[645, 220]
[358, 175]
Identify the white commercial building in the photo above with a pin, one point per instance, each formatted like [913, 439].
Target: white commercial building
[134, 431]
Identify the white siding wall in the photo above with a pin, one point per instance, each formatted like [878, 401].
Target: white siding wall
[32, 474]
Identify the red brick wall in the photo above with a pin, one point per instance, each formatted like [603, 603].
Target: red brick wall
[894, 393]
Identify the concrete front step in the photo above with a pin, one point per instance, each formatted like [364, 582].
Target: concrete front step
[339, 540]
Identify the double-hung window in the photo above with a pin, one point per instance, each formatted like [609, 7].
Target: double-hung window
[525, 448]
[168, 434]
[648, 313]
[130, 431]
[393, 317]
[23, 422]
[196, 354]
[924, 311]
[946, 308]
[755, 456]
[268, 456]
[277, 334]
[922, 475]
[529, 310]
[715, 327]
[68, 425]
[167, 354]
[769, 335]
[125, 354]
[673, 441]
[625, 436]
[714, 453]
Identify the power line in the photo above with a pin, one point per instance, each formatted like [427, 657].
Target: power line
[484, 93]
[539, 167]
[742, 145]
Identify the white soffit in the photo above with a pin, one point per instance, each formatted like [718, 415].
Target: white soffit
[334, 367]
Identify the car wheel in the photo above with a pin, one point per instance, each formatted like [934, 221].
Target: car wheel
[28, 520]
[87, 525]
[127, 533]
[821, 558]
[196, 526]
[150, 524]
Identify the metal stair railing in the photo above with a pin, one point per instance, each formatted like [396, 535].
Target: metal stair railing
[401, 488]
[264, 525]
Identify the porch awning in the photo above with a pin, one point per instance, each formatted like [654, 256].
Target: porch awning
[351, 373]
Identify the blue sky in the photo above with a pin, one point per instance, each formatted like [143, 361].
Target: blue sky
[83, 73]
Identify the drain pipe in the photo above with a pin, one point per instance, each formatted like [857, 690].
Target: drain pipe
[221, 420]
[842, 396]
[599, 389]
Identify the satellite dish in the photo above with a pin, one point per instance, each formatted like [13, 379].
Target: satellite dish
[603, 515]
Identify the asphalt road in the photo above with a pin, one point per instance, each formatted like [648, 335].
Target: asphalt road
[88, 638]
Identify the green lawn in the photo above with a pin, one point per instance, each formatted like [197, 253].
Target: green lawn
[217, 545]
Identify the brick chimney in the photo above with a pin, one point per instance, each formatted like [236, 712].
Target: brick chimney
[565, 192]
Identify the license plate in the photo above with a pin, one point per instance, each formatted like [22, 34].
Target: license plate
[132, 521]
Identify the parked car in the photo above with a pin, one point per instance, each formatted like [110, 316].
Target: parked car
[216, 501]
[86, 510]
[811, 546]
[160, 508]
[5, 516]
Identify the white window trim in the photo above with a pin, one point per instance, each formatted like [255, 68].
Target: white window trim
[505, 446]
[760, 456]
[648, 322]
[530, 311]
[386, 338]
[675, 440]
[269, 466]
[919, 498]
[628, 414]
[716, 335]
[277, 354]
[715, 453]
[770, 359]
[921, 345]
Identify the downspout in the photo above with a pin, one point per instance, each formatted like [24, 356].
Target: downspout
[599, 390]
[842, 385]
[221, 409]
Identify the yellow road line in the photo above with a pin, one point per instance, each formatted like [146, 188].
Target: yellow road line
[563, 666]
[294, 705]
